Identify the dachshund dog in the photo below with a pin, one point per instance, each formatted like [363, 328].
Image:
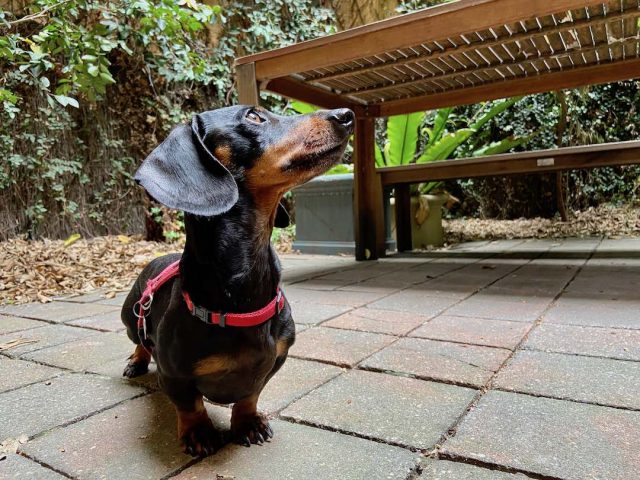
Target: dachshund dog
[227, 170]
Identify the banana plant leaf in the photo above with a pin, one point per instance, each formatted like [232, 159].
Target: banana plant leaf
[494, 111]
[379, 156]
[442, 149]
[503, 146]
[439, 124]
[402, 132]
[303, 108]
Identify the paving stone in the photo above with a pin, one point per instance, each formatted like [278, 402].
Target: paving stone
[340, 347]
[311, 313]
[18, 373]
[84, 354]
[322, 283]
[446, 470]
[616, 281]
[299, 452]
[568, 440]
[603, 342]
[10, 324]
[118, 300]
[41, 406]
[134, 440]
[433, 360]
[106, 322]
[394, 409]
[478, 331]
[500, 304]
[598, 380]
[17, 467]
[114, 369]
[389, 281]
[349, 299]
[42, 337]
[414, 301]
[292, 381]
[595, 310]
[56, 311]
[378, 321]
[94, 296]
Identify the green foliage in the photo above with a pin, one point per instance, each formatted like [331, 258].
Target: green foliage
[402, 135]
[341, 168]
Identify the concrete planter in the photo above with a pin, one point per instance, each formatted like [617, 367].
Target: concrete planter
[426, 226]
[324, 216]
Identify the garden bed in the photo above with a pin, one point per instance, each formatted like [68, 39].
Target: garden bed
[42, 270]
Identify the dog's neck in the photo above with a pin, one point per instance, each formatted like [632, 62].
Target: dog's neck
[228, 263]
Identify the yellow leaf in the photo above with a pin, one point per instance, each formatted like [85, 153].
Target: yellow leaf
[124, 239]
[72, 239]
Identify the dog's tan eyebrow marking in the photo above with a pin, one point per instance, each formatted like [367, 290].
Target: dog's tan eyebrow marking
[223, 154]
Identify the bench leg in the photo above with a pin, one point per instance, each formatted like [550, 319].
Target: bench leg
[403, 218]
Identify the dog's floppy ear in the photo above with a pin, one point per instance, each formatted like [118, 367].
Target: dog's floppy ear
[282, 217]
[183, 174]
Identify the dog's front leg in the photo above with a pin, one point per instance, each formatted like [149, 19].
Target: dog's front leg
[197, 435]
[247, 425]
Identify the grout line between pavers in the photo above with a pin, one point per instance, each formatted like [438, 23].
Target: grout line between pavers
[46, 465]
[489, 385]
[585, 355]
[495, 466]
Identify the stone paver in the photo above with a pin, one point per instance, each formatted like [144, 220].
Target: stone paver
[17, 467]
[85, 354]
[557, 438]
[114, 369]
[306, 297]
[25, 341]
[446, 470]
[414, 301]
[301, 452]
[41, 406]
[595, 310]
[340, 347]
[603, 342]
[17, 373]
[378, 321]
[135, 440]
[56, 311]
[501, 304]
[623, 282]
[443, 361]
[478, 331]
[312, 313]
[106, 322]
[586, 379]
[293, 380]
[394, 409]
[10, 324]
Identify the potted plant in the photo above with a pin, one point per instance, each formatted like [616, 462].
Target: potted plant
[440, 138]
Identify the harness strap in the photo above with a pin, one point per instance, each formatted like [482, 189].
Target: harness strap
[250, 319]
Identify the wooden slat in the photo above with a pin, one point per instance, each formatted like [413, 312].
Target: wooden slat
[622, 153]
[248, 92]
[462, 17]
[577, 77]
[300, 91]
[402, 197]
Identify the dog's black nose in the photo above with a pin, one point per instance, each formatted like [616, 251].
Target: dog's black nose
[343, 117]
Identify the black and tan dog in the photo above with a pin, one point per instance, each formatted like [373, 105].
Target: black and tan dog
[227, 171]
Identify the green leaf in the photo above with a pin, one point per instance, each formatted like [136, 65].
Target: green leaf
[502, 146]
[439, 125]
[64, 101]
[302, 107]
[495, 110]
[442, 149]
[379, 157]
[402, 131]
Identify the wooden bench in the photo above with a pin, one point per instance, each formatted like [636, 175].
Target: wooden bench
[604, 155]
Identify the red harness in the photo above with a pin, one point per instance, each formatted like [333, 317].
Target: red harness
[251, 319]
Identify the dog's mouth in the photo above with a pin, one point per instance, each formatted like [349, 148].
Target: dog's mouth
[319, 160]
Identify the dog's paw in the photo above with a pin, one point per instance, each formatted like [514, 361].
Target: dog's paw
[255, 429]
[135, 369]
[202, 439]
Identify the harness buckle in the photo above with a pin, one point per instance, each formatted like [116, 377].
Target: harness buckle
[201, 313]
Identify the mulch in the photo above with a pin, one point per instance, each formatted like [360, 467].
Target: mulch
[39, 271]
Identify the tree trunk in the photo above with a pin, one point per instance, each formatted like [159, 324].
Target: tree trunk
[353, 13]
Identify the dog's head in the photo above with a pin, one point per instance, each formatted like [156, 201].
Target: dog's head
[199, 166]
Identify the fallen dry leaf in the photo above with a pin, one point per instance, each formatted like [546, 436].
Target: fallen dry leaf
[16, 343]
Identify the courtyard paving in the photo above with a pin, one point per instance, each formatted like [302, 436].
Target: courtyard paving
[500, 360]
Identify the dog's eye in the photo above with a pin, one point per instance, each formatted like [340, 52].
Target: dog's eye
[252, 116]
